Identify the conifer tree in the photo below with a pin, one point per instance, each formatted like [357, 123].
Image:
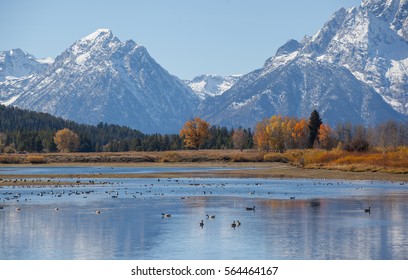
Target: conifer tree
[314, 125]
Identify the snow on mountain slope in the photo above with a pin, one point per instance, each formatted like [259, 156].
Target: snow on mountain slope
[101, 79]
[211, 85]
[370, 41]
[17, 68]
[16, 64]
[354, 68]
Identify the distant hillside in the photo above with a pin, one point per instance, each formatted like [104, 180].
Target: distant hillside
[24, 130]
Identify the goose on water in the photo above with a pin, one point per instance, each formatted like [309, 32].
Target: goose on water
[201, 223]
[210, 216]
[166, 215]
[368, 210]
[250, 208]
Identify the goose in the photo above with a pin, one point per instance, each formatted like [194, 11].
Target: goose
[368, 210]
[97, 212]
[292, 197]
[250, 208]
[233, 224]
[210, 216]
[18, 209]
[201, 223]
[166, 215]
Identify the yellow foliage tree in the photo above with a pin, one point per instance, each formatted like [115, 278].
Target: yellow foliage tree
[275, 132]
[261, 135]
[325, 136]
[195, 132]
[66, 140]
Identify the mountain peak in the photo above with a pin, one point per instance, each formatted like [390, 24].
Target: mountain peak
[98, 34]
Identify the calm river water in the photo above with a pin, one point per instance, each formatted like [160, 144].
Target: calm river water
[293, 219]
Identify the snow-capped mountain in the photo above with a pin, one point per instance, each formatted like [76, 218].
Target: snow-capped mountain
[354, 69]
[372, 42]
[211, 85]
[17, 68]
[16, 64]
[101, 79]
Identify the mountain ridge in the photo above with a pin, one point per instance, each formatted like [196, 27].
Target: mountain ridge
[355, 68]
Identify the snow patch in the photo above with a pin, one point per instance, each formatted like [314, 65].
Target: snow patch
[96, 34]
[10, 101]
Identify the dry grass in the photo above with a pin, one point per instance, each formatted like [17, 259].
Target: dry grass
[390, 161]
[36, 159]
[9, 159]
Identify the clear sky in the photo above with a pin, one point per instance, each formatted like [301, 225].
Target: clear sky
[186, 37]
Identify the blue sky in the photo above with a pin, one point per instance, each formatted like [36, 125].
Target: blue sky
[186, 37]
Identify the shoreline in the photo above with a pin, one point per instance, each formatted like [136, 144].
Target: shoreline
[232, 170]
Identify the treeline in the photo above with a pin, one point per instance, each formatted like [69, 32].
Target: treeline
[282, 133]
[28, 131]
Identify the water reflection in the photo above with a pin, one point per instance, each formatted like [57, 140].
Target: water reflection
[326, 220]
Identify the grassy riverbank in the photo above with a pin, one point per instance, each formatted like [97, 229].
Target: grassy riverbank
[376, 165]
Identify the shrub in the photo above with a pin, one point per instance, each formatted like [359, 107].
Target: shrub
[36, 159]
[171, 157]
[9, 159]
[272, 157]
[357, 145]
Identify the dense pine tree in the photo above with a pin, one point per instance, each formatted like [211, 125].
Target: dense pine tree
[314, 124]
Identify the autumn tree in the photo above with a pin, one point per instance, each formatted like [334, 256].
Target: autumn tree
[314, 124]
[261, 135]
[66, 140]
[275, 132]
[300, 134]
[195, 132]
[239, 139]
[325, 136]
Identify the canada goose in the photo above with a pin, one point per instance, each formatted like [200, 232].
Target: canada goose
[210, 216]
[97, 212]
[201, 223]
[233, 224]
[250, 208]
[166, 215]
[368, 210]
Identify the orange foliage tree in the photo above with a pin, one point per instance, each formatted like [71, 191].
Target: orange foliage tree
[325, 136]
[300, 134]
[194, 133]
[66, 140]
[261, 135]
